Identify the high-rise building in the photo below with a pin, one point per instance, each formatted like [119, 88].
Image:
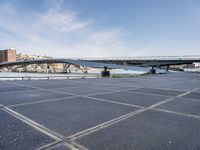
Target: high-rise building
[8, 55]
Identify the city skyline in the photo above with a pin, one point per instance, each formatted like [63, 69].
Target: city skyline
[69, 28]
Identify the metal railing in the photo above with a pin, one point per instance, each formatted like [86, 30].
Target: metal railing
[182, 57]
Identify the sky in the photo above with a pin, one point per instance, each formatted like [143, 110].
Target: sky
[101, 28]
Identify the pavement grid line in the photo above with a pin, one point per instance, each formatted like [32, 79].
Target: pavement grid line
[98, 127]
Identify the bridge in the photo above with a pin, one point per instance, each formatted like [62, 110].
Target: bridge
[151, 61]
[127, 63]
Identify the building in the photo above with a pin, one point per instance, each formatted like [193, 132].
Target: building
[30, 57]
[8, 55]
[197, 65]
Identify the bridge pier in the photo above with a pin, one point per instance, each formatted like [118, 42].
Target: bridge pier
[167, 69]
[66, 67]
[152, 70]
[37, 67]
[105, 72]
[48, 68]
[85, 69]
[25, 68]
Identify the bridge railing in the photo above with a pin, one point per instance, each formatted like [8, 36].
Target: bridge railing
[183, 57]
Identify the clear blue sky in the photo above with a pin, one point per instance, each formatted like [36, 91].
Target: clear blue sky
[93, 28]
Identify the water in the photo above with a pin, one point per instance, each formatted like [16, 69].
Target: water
[192, 70]
[122, 71]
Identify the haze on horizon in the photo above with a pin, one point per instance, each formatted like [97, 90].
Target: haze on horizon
[101, 28]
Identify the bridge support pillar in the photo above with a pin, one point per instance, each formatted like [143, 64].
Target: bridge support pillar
[152, 70]
[167, 68]
[105, 72]
[66, 68]
[48, 68]
[25, 68]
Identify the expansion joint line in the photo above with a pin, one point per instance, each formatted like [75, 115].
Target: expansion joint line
[72, 138]
[57, 137]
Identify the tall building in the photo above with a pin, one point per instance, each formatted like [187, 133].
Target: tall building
[8, 55]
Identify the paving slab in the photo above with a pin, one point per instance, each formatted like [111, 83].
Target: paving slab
[84, 90]
[159, 91]
[132, 98]
[77, 85]
[116, 87]
[29, 82]
[14, 88]
[198, 91]
[43, 83]
[16, 135]
[186, 86]
[29, 96]
[183, 105]
[73, 115]
[150, 130]
[50, 85]
[59, 147]
[193, 95]
[4, 84]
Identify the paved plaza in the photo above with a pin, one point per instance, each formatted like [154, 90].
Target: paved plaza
[154, 112]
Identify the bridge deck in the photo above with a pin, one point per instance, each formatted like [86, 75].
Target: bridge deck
[149, 112]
